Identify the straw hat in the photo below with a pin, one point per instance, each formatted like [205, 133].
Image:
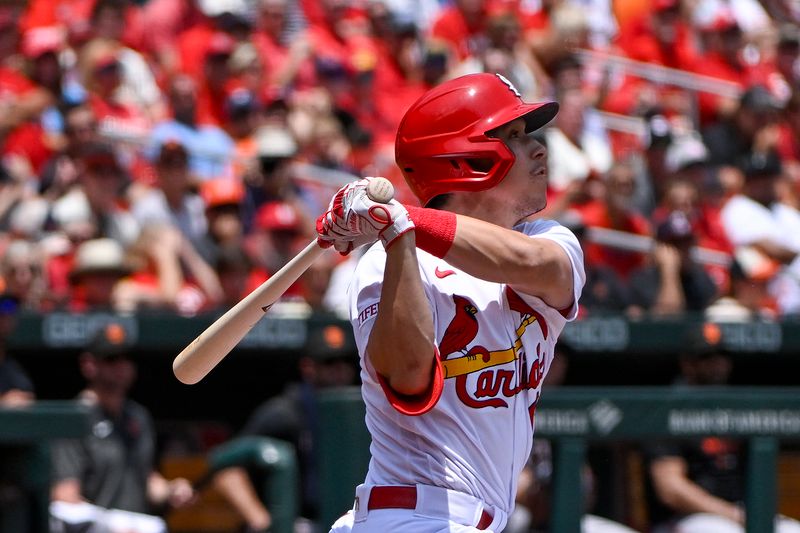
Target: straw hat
[99, 256]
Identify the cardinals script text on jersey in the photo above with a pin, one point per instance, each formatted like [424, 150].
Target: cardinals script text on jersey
[459, 359]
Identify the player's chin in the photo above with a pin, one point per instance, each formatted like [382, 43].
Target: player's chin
[535, 206]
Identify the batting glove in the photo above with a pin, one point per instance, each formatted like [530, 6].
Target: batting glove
[332, 230]
[353, 217]
[364, 216]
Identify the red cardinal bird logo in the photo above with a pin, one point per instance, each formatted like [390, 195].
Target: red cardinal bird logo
[461, 330]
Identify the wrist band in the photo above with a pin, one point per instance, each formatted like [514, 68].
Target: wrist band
[435, 230]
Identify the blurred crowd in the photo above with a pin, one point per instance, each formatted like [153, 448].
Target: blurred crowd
[173, 154]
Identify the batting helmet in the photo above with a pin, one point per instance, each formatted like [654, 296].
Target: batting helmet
[442, 144]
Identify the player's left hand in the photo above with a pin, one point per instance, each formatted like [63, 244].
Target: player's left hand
[332, 230]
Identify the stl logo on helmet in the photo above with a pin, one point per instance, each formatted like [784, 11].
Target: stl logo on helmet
[509, 84]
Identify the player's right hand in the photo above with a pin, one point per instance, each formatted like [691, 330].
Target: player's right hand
[387, 221]
[333, 228]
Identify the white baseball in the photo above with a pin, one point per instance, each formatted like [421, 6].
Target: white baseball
[380, 190]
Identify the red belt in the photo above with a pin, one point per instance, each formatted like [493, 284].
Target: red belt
[392, 497]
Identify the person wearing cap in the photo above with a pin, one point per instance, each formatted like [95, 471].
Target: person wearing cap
[98, 267]
[16, 387]
[278, 235]
[328, 361]
[227, 16]
[286, 62]
[698, 485]
[702, 209]
[173, 201]
[673, 282]
[113, 468]
[273, 178]
[41, 47]
[223, 199]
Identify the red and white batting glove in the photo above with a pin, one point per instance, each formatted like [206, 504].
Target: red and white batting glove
[354, 218]
[332, 229]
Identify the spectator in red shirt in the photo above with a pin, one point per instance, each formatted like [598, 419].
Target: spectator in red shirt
[72, 15]
[723, 58]
[286, 58]
[614, 212]
[507, 54]
[101, 74]
[340, 48]
[462, 26]
[279, 234]
[220, 17]
[661, 36]
[216, 79]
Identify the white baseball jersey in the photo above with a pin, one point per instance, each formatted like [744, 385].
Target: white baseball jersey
[495, 347]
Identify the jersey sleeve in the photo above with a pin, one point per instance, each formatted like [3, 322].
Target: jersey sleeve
[549, 229]
[365, 295]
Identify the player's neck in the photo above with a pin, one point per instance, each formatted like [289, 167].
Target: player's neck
[483, 207]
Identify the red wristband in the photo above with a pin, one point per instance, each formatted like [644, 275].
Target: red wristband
[435, 230]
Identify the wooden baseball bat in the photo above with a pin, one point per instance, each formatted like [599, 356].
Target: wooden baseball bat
[216, 341]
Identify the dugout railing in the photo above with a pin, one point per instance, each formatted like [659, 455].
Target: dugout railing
[25, 437]
[573, 417]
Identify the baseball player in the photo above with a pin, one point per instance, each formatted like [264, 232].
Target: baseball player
[457, 311]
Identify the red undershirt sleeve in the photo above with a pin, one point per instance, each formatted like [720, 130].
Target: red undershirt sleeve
[421, 403]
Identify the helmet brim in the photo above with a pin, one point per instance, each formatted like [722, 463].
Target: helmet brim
[536, 115]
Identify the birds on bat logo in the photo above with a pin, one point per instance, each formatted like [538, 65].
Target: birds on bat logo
[459, 359]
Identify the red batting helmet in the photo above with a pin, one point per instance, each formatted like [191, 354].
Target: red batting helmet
[442, 136]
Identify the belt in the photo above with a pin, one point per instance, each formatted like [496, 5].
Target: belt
[393, 497]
